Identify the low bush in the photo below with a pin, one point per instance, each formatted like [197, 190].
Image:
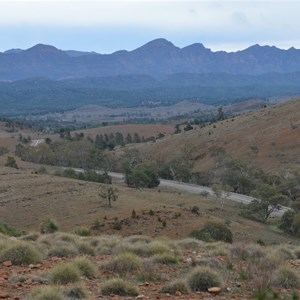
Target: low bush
[119, 287]
[11, 231]
[213, 231]
[49, 226]
[203, 278]
[20, 253]
[85, 267]
[175, 286]
[46, 293]
[64, 274]
[286, 278]
[83, 231]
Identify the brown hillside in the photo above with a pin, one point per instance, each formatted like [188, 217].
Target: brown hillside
[145, 130]
[269, 138]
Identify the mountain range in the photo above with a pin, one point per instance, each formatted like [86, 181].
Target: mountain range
[157, 59]
[44, 79]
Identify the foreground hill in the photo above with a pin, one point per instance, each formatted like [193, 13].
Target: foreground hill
[268, 138]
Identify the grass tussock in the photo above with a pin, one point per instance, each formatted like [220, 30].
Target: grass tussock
[165, 258]
[203, 278]
[175, 286]
[189, 244]
[85, 267]
[46, 293]
[64, 274]
[63, 249]
[124, 263]
[76, 292]
[119, 287]
[19, 253]
[285, 277]
[146, 250]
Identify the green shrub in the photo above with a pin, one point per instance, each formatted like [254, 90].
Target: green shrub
[76, 292]
[151, 212]
[195, 210]
[11, 231]
[203, 278]
[49, 226]
[83, 231]
[133, 214]
[117, 225]
[3, 150]
[85, 267]
[286, 278]
[64, 274]
[119, 287]
[11, 162]
[213, 231]
[20, 253]
[175, 286]
[124, 263]
[46, 293]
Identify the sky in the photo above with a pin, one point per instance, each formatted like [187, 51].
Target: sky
[105, 26]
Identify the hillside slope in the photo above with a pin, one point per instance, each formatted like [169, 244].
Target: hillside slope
[269, 138]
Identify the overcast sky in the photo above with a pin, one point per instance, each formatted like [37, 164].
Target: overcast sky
[106, 26]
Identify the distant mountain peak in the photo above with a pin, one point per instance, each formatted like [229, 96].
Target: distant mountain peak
[158, 44]
[42, 48]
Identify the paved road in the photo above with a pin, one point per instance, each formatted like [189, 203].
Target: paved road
[197, 189]
[35, 143]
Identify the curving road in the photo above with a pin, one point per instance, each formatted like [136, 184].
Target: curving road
[198, 189]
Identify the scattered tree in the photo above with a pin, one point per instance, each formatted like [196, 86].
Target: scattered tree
[108, 192]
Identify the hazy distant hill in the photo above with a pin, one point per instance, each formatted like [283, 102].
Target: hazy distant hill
[156, 58]
[44, 79]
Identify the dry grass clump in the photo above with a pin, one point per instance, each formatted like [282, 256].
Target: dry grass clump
[76, 292]
[137, 238]
[244, 252]
[282, 254]
[64, 274]
[124, 263]
[63, 249]
[85, 248]
[104, 245]
[203, 278]
[19, 252]
[189, 244]
[85, 267]
[175, 286]
[146, 250]
[46, 293]
[285, 277]
[119, 287]
[34, 236]
[297, 252]
[211, 262]
[216, 249]
[165, 258]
